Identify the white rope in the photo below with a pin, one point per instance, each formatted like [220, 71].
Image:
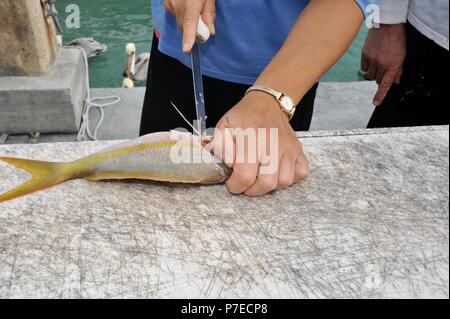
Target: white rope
[84, 132]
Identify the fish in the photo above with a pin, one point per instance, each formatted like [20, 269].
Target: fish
[171, 157]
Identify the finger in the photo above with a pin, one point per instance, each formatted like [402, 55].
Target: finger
[302, 169]
[265, 183]
[364, 63]
[244, 176]
[287, 172]
[190, 25]
[169, 7]
[209, 15]
[372, 72]
[398, 78]
[246, 165]
[268, 174]
[384, 87]
[380, 75]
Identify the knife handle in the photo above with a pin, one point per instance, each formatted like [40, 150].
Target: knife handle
[203, 33]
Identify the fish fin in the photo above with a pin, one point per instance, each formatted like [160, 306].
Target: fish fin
[44, 175]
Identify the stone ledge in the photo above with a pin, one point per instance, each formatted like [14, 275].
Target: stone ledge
[372, 221]
[48, 104]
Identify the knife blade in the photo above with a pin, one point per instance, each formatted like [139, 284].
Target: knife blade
[198, 89]
[203, 35]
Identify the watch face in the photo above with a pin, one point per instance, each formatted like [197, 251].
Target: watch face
[287, 103]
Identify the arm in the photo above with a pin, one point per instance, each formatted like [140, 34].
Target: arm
[384, 51]
[322, 33]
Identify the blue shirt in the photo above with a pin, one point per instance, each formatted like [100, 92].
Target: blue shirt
[249, 33]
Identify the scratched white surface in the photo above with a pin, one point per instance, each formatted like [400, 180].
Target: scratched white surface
[372, 221]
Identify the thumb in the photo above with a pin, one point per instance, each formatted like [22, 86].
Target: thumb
[385, 85]
[209, 15]
[169, 7]
[190, 26]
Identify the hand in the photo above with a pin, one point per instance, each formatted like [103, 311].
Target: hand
[279, 161]
[383, 56]
[187, 13]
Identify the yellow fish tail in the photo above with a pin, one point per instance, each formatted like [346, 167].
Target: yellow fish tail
[44, 175]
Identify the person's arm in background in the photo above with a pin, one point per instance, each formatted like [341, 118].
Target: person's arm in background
[384, 51]
[320, 36]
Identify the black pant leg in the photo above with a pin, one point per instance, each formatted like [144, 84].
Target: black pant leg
[167, 82]
[221, 96]
[305, 109]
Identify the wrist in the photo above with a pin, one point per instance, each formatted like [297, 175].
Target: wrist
[387, 31]
[264, 103]
[394, 26]
[388, 28]
[284, 101]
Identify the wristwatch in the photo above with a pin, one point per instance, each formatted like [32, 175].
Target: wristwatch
[286, 103]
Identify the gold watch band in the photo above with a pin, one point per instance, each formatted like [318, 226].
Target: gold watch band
[285, 102]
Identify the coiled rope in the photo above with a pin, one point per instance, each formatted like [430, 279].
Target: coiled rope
[84, 133]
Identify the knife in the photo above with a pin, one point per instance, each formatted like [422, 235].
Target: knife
[203, 35]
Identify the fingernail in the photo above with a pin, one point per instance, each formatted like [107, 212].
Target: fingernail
[376, 103]
[213, 29]
[186, 47]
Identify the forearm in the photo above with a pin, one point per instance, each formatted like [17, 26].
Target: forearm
[321, 34]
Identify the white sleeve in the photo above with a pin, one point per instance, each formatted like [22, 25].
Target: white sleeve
[393, 11]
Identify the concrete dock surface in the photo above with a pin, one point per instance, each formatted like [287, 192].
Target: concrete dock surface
[372, 221]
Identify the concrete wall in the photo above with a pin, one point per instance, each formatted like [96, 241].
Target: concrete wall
[51, 103]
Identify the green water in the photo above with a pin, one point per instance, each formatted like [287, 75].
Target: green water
[117, 22]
